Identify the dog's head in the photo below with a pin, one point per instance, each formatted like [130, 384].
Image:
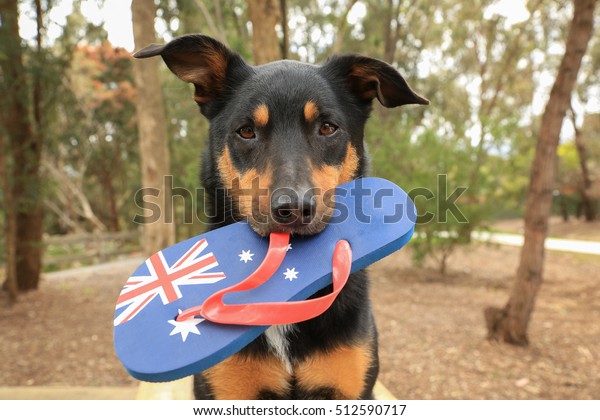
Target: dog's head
[285, 134]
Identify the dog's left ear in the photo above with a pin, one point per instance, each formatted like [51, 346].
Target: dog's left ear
[369, 78]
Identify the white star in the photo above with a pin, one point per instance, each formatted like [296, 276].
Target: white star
[185, 327]
[291, 274]
[246, 256]
[289, 247]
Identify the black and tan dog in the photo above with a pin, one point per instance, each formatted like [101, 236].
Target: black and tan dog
[282, 136]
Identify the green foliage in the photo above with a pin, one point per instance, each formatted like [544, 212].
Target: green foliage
[97, 147]
[188, 133]
[427, 166]
[480, 73]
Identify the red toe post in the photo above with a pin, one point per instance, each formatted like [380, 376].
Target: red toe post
[273, 313]
[278, 245]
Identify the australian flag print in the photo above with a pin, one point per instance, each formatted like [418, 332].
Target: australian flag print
[375, 216]
[164, 280]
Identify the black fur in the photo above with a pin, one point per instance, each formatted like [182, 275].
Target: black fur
[228, 91]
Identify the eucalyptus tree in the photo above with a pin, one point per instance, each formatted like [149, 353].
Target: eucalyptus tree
[510, 324]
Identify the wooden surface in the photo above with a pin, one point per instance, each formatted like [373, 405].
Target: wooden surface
[175, 390]
[182, 390]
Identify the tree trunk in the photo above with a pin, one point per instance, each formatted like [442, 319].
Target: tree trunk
[587, 203]
[510, 323]
[219, 17]
[265, 15]
[152, 131]
[390, 37]
[285, 42]
[218, 32]
[10, 224]
[341, 28]
[106, 180]
[26, 151]
[30, 217]
[10, 221]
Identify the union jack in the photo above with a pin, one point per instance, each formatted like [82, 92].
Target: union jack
[164, 280]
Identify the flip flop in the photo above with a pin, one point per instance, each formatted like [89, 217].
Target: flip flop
[193, 304]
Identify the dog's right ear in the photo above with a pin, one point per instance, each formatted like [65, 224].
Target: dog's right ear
[200, 60]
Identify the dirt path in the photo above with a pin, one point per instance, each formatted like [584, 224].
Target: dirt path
[61, 334]
[432, 336]
[551, 244]
[557, 228]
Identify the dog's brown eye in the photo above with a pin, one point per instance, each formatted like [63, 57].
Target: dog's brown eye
[327, 129]
[246, 132]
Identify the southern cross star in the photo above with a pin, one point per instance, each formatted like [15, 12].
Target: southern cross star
[291, 274]
[246, 256]
[185, 327]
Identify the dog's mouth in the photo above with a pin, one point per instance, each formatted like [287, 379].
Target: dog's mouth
[307, 220]
[315, 227]
[298, 211]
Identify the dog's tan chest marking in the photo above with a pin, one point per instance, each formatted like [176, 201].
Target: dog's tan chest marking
[343, 369]
[245, 377]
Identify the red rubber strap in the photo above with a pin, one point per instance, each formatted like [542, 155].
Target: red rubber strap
[277, 313]
[274, 313]
[278, 246]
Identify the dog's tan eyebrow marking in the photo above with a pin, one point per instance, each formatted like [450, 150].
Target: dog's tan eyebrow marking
[311, 111]
[261, 115]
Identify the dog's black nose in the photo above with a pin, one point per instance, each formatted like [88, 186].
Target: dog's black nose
[291, 207]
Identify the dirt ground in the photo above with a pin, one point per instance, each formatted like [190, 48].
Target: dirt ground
[432, 334]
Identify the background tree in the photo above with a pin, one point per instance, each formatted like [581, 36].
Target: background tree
[568, 183]
[10, 225]
[25, 143]
[588, 204]
[473, 133]
[265, 15]
[510, 324]
[98, 151]
[152, 130]
[585, 123]
[483, 72]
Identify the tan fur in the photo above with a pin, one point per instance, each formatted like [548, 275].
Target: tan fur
[209, 76]
[311, 112]
[363, 76]
[343, 369]
[327, 177]
[350, 165]
[261, 116]
[246, 187]
[243, 378]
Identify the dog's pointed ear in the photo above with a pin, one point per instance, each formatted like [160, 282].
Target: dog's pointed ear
[200, 60]
[369, 78]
